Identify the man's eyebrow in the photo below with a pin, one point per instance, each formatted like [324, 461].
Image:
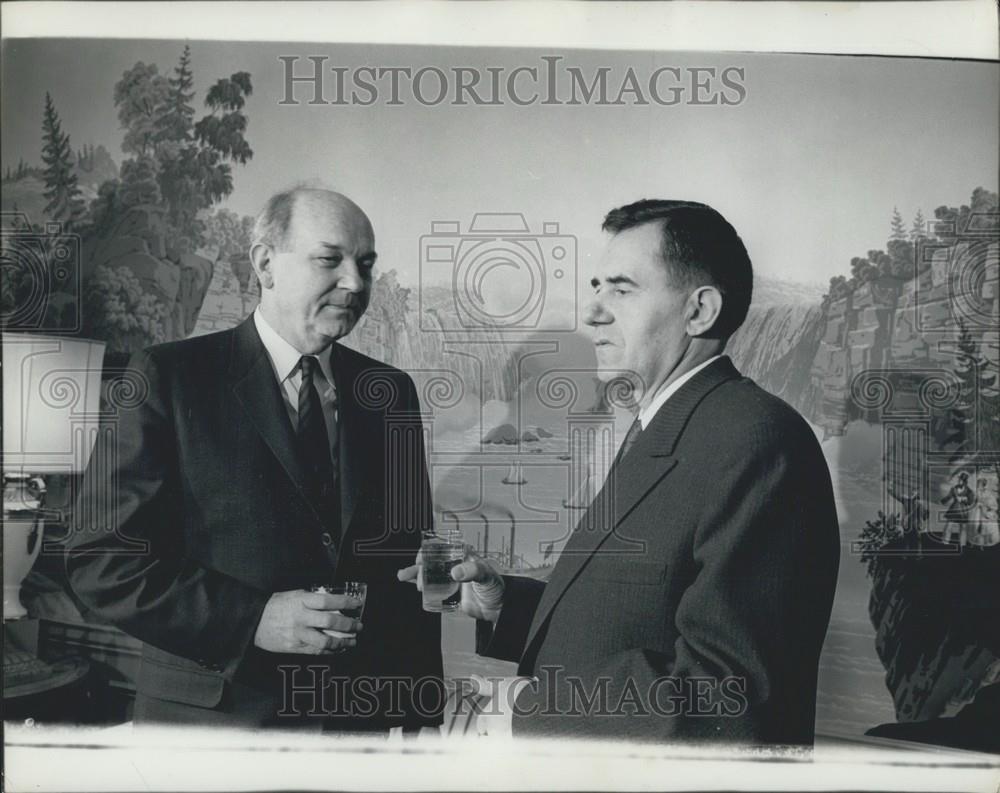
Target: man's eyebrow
[614, 280]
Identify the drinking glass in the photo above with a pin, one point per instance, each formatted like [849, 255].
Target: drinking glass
[440, 552]
[355, 589]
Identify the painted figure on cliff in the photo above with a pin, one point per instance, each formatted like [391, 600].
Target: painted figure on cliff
[960, 501]
[914, 514]
[987, 528]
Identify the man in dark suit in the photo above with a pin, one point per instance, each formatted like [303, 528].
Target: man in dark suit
[256, 467]
[692, 599]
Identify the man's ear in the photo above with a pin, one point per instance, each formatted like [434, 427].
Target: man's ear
[260, 258]
[704, 307]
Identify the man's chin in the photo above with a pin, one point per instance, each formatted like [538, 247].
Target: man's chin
[622, 386]
[608, 373]
[337, 329]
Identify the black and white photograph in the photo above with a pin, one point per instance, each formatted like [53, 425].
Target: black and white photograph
[481, 396]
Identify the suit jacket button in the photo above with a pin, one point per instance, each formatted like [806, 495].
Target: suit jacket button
[326, 538]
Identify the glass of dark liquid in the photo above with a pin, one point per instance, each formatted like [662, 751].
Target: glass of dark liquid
[354, 589]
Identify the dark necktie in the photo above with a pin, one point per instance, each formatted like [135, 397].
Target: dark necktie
[630, 438]
[314, 442]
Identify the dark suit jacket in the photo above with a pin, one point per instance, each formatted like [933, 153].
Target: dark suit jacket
[699, 582]
[196, 513]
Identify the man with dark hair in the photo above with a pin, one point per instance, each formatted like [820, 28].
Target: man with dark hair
[697, 244]
[692, 599]
[258, 467]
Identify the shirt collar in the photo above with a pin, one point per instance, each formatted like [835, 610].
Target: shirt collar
[284, 357]
[646, 415]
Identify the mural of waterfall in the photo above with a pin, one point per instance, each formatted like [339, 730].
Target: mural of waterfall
[392, 331]
[776, 347]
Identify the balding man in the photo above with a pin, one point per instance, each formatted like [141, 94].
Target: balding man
[258, 467]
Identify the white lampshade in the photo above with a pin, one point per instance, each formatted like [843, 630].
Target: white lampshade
[51, 402]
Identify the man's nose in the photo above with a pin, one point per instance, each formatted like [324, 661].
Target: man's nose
[595, 313]
[349, 276]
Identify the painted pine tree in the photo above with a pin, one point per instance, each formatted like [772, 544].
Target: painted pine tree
[65, 203]
[897, 227]
[175, 116]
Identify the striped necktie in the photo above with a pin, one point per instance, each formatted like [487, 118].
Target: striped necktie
[630, 438]
[313, 440]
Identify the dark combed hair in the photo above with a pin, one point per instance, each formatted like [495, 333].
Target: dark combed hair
[699, 247]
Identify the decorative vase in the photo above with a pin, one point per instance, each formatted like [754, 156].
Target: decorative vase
[23, 495]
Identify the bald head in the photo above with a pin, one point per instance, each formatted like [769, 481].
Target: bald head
[313, 251]
[273, 225]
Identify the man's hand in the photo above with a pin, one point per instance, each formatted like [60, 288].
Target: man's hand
[293, 622]
[482, 585]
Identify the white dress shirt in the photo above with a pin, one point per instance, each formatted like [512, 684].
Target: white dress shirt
[285, 363]
[646, 414]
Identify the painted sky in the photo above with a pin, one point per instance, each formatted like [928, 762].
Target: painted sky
[808, 168]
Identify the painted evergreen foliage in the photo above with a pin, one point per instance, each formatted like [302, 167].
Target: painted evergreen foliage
[62, 192]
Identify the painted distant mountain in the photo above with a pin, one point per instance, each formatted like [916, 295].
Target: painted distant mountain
[769, 291]
[93, 167]
[25, 195]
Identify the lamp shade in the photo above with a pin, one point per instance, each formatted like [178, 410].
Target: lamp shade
[51, 402]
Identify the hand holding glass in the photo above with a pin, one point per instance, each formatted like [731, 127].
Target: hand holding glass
[353, 589]
[439, 553]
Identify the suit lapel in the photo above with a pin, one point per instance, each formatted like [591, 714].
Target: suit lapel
[350, 437]
[625, 486]
[628, 482]
[258, 392]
